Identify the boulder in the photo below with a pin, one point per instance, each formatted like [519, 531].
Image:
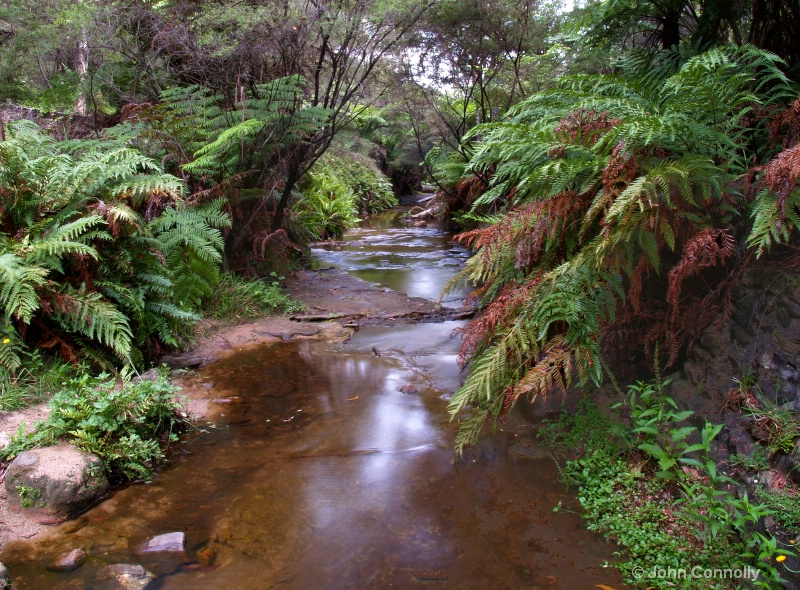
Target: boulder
[124, 576]
[68, 562]
[53, 484]
[167, 543]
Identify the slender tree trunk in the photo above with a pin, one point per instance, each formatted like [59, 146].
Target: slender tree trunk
[291, 181]
[82, 67]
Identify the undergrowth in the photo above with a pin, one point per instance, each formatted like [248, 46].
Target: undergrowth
[238, 298]
[35, 382]
[645, 479]
[128, 427]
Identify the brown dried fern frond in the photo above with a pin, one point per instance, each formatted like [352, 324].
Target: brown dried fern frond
[709, 247]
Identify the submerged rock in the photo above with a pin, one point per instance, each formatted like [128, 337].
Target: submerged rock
[125, 576]
[68, 562]
[53, 484]
[167, 543]
[409, 389]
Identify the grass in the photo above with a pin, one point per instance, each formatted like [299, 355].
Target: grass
[239, 299]
[36, 382]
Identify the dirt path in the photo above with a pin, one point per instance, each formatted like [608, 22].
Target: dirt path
[336, 304]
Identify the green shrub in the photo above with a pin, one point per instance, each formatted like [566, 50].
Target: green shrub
[99, 253]
[127, 427]
[336, 190]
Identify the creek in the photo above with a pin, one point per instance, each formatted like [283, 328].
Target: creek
[320, 473]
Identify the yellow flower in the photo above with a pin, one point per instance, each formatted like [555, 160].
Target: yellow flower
[6, 340]
[780, 558]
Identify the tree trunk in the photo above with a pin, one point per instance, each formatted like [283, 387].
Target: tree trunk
[291, 181]
[776, 28]
[82, 67]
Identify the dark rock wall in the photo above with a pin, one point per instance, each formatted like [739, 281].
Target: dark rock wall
[761, 341]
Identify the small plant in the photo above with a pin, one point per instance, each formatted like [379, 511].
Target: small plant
[785, 505]
[656, 419]
[127, 427]
[757, 461]
[28, 496]
[588, 429]
[781, 427]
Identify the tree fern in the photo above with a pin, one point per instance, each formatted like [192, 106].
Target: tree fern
[79, 259]
[604, 181]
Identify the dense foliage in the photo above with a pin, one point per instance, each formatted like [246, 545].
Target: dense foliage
[128, 427]
[618, 212]
[100, 254]
[662, 499]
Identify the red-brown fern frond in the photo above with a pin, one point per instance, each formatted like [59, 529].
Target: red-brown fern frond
[528, 227]
[709, 247]
[586, 125]
[499, 314]
[552, 370]
[636, 282]
[784, 128]
[621, 169]
[781, 176]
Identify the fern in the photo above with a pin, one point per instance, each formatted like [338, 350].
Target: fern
[607, 184]
[80, 260]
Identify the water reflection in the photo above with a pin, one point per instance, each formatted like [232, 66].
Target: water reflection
[416, 261]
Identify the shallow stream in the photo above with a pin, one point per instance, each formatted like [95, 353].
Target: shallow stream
[322, 474]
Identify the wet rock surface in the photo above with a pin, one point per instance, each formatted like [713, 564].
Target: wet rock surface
[52, 484]
[123, 576]
[335, 294]
[166, 543]
[68, 562]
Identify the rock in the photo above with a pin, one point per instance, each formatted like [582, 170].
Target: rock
[151, 375]
[408, 388]
[182, 362]
[167, 543]
[206, 556]
[126, 577]
[5, 578]
[209, 385]
[530, 450]
[5, 440]
[790, 465]
[68, 562]
[53, 484]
